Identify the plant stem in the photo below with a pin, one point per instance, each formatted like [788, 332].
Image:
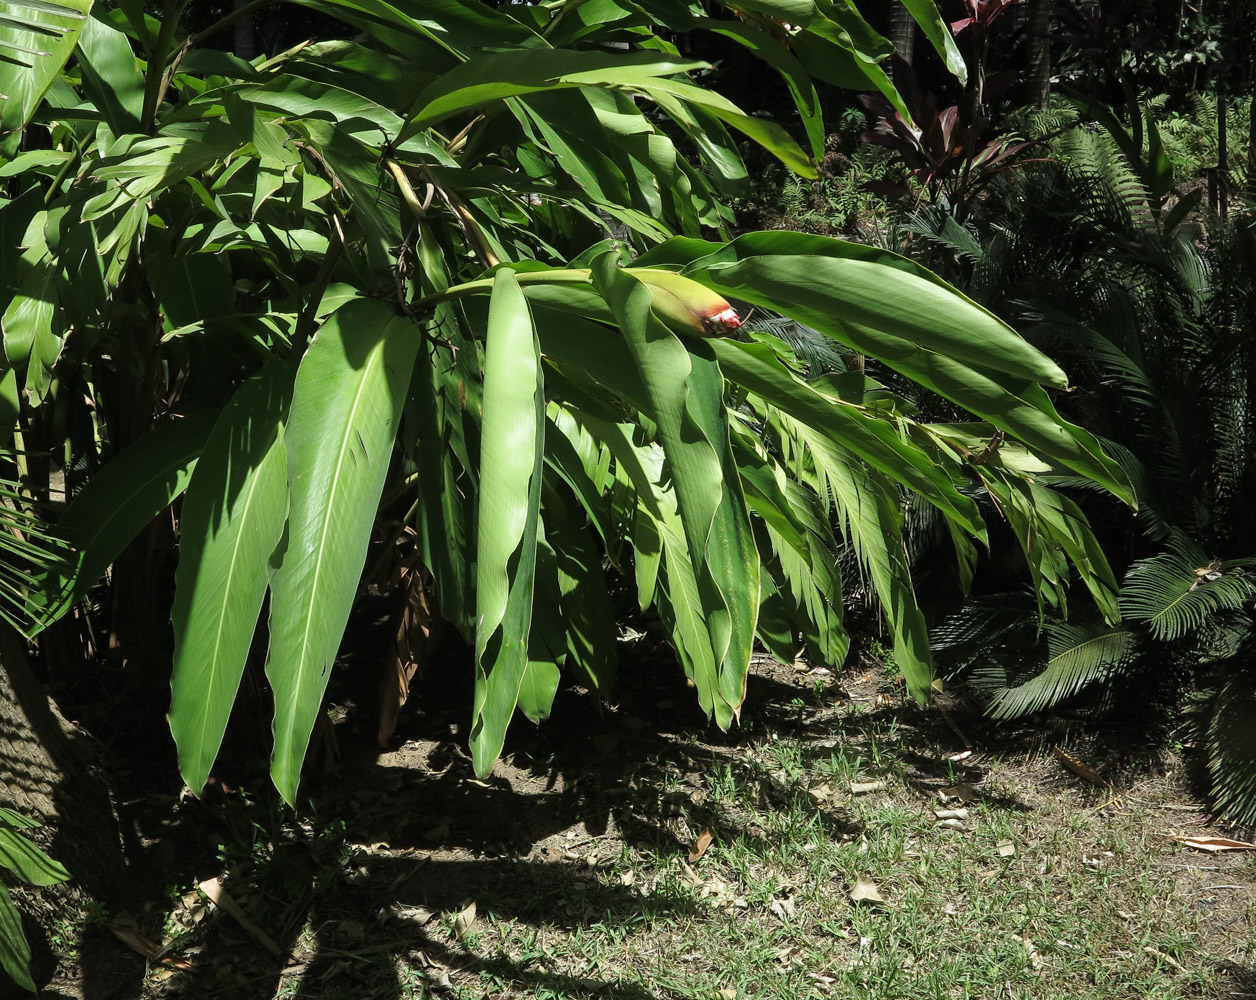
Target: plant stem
[153, 89]
[563, 276]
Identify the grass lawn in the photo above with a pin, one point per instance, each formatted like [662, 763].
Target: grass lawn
[614, 857]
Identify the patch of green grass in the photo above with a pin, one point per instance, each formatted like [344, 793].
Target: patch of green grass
[1084, 906]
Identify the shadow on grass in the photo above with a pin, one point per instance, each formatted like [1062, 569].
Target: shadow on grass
[376, 920]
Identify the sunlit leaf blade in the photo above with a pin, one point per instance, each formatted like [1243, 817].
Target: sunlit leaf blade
[685, 391]
[345, 409]
[232, 519]
[25, 80]
[121, 499]
[511, 457]
[936, 30]
[27, 861]
[499, 75]
[875, 296]
[893, 310]
[111, 75]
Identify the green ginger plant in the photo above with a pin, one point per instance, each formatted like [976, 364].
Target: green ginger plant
[285, 284]
[30, 865]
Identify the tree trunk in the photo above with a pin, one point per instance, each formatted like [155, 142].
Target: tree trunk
[46, 774]
[1038, 75]
[902, 31]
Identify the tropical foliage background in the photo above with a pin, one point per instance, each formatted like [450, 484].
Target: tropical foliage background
[461, 287]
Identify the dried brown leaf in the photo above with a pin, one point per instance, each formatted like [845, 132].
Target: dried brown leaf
[864, 787]
[464, 921]
[213, 889]
[1078, 768]
[418, 630]
[1215, 844]
[700, 848]
[134, 940]
[866, 891]
[964, 792]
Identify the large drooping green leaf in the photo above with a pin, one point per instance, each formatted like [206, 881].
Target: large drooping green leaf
[494, 77]
[111, 75]
[686, 395]
[15, 951]
[121, 499]
[938, 32]
[893, 310]
[778, 56]
[875, 440]
[232, 518]
[876, 298]
[871, 517]
[32, 338]
[36, 39]
[511, 457]
[669, 94]
[349, 391]
[30, 865]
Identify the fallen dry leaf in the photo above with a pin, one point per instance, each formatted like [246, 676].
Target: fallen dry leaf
[823, 794]
[464, 921]
[1005, 848]
[134, 940]
[1215, 844]
[964, 792]
[213, 889]
[951, 813]
[700, 848]
[865, 891]
[1080, 769]
[782, 908]
[1167, 959]
[864, 787]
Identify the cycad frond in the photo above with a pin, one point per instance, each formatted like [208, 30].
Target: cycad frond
[819, 353]
[1077, 656]
[1175, 592]
[936, 223]
[1231, 742]
[29, 551]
